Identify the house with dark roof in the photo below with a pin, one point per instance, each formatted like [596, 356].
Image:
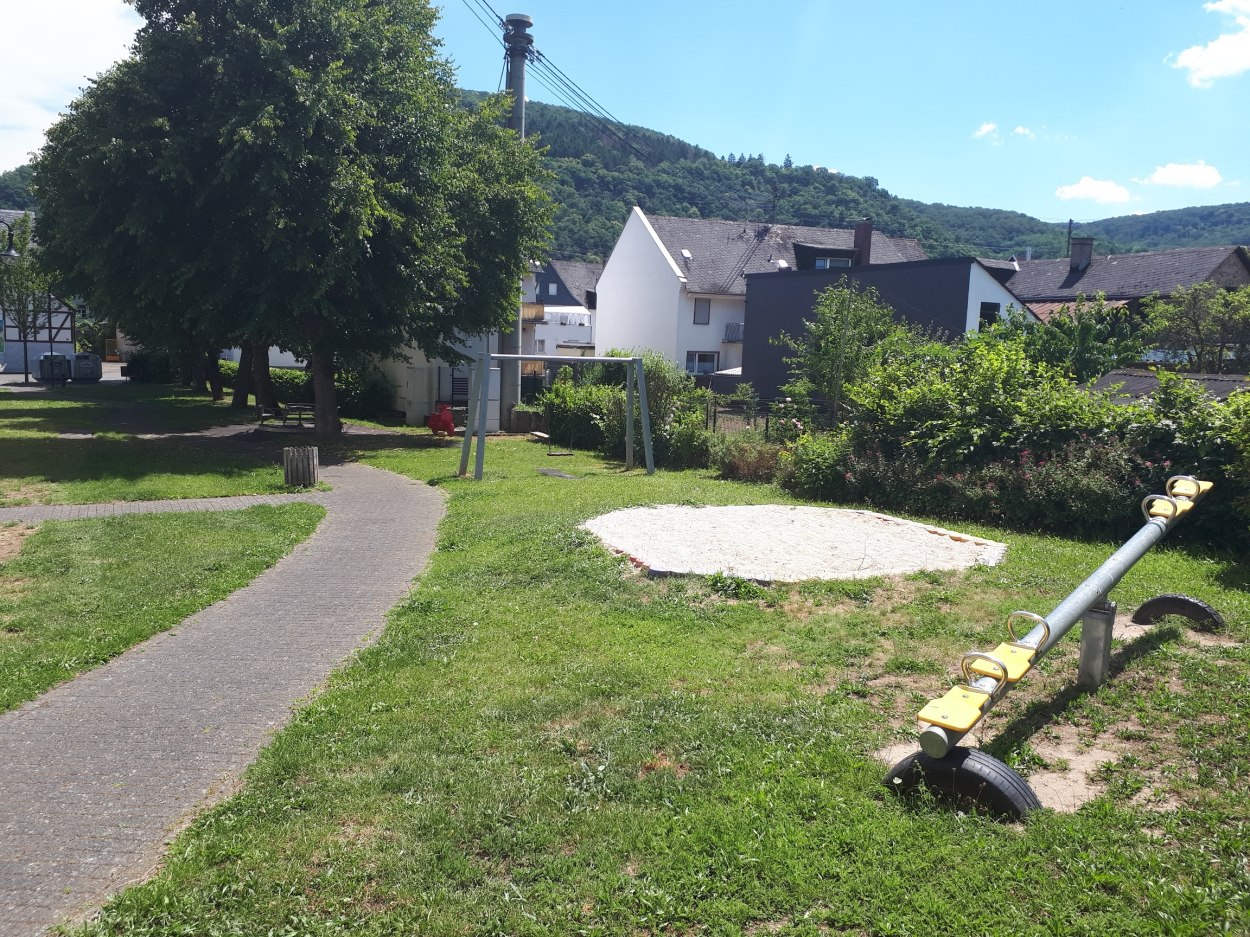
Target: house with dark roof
[948, 297]
[1125, 279]
[558, 317]
[677, 286]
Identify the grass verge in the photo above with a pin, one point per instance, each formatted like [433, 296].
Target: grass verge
[45, 463]
[81, 592]
[544, 742]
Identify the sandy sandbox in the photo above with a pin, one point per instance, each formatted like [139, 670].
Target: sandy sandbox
[781, 543]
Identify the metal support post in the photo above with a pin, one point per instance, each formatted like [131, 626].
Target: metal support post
[476, 390]
[646, 415]
[1095, 663]
[483, 399]
[630, 377]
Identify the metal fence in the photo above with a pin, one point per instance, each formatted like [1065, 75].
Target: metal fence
[779, 420]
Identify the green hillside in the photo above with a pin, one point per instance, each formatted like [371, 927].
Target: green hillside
[602, 170]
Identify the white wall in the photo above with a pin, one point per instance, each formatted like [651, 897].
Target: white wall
[551, 331]
[639, 295]
[710, 337]
[983, 288]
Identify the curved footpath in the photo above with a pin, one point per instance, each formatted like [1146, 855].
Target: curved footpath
[100, 772]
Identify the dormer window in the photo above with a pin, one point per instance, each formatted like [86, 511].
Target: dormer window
[829, 263]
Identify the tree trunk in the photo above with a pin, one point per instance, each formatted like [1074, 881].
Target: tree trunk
[263, 386]
[325, 401]
[197, 374]
[213, 366]
[243, 379]
[25, 361]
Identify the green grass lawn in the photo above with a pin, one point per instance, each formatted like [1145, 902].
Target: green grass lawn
[41, 467]
[545, 742]
[81, 592]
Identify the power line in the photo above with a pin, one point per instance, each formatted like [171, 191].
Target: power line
[591, 106]
[477, 16]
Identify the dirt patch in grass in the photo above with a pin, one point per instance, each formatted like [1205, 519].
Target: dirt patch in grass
[11, 538]
[1069, 778]
[18, 495]
[663, 762]
[1125, 630]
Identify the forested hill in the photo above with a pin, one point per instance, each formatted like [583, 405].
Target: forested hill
[601, 170]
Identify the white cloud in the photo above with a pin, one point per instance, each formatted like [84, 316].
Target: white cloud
[1222, 57]
[987, 129]
[51, 50]
[1103, 191]
[1023, 131]
[1188, 175]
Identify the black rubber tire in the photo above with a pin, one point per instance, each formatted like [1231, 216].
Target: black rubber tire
[966, 779]
[1203, 616]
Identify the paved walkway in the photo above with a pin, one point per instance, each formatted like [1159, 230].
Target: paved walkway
[99, 773]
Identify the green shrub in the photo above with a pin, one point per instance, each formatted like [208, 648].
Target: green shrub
[362, 392]
[745, 456]
[152, 367]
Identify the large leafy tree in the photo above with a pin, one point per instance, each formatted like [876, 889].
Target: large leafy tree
[301, 173]
[1206, 324]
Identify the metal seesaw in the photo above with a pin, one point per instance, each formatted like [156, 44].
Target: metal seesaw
[971, 778]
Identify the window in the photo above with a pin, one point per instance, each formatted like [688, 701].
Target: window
[551, 289]
[542, 346]
[990, 313]
[702, 362]
[829, 263]
[702, 311]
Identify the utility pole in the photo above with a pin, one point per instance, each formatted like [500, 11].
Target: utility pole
[518, 43]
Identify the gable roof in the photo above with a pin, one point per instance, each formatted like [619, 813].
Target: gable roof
[578, 276]
[1121, 276]
[722, 252]
[1136, 383]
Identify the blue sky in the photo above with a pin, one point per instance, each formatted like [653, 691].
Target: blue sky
[1061, 110]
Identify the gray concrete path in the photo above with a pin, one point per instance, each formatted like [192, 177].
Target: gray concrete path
[98, 774]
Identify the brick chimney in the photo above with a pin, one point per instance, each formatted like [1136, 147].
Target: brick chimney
[863, 242]
[1081, 253]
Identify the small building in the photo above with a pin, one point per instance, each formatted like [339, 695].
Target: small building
[51, 326]
[949, 297]
[1139, 383]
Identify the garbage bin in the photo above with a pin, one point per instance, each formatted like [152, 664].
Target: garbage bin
[86, 368]
[53, 368]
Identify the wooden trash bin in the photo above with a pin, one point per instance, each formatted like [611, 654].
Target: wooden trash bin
[300, 465]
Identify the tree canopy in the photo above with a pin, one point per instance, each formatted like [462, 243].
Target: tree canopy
[302, 173]
[1206, 324]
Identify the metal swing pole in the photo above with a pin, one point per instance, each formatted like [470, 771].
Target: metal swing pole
[474, 392]
[646, 415]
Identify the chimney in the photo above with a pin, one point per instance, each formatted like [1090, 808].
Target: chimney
[863, 242]
[1081, 254]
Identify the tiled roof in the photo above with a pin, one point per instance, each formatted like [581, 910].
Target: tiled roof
[1122, 276]
[721, 252]
[1045, 310]
[1137, 383]
[579, 276]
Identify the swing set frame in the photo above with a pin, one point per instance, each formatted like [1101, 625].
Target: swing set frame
[635, 379]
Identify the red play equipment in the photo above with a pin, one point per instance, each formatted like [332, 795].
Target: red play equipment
[441, 422]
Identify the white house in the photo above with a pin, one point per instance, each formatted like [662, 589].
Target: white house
[677, 286]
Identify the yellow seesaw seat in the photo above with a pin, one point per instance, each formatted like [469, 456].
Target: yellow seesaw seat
[958, 710]
[1018, 661]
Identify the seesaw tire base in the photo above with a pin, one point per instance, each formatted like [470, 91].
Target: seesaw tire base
[966, 779]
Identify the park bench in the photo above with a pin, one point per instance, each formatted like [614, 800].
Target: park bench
[299, 412]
